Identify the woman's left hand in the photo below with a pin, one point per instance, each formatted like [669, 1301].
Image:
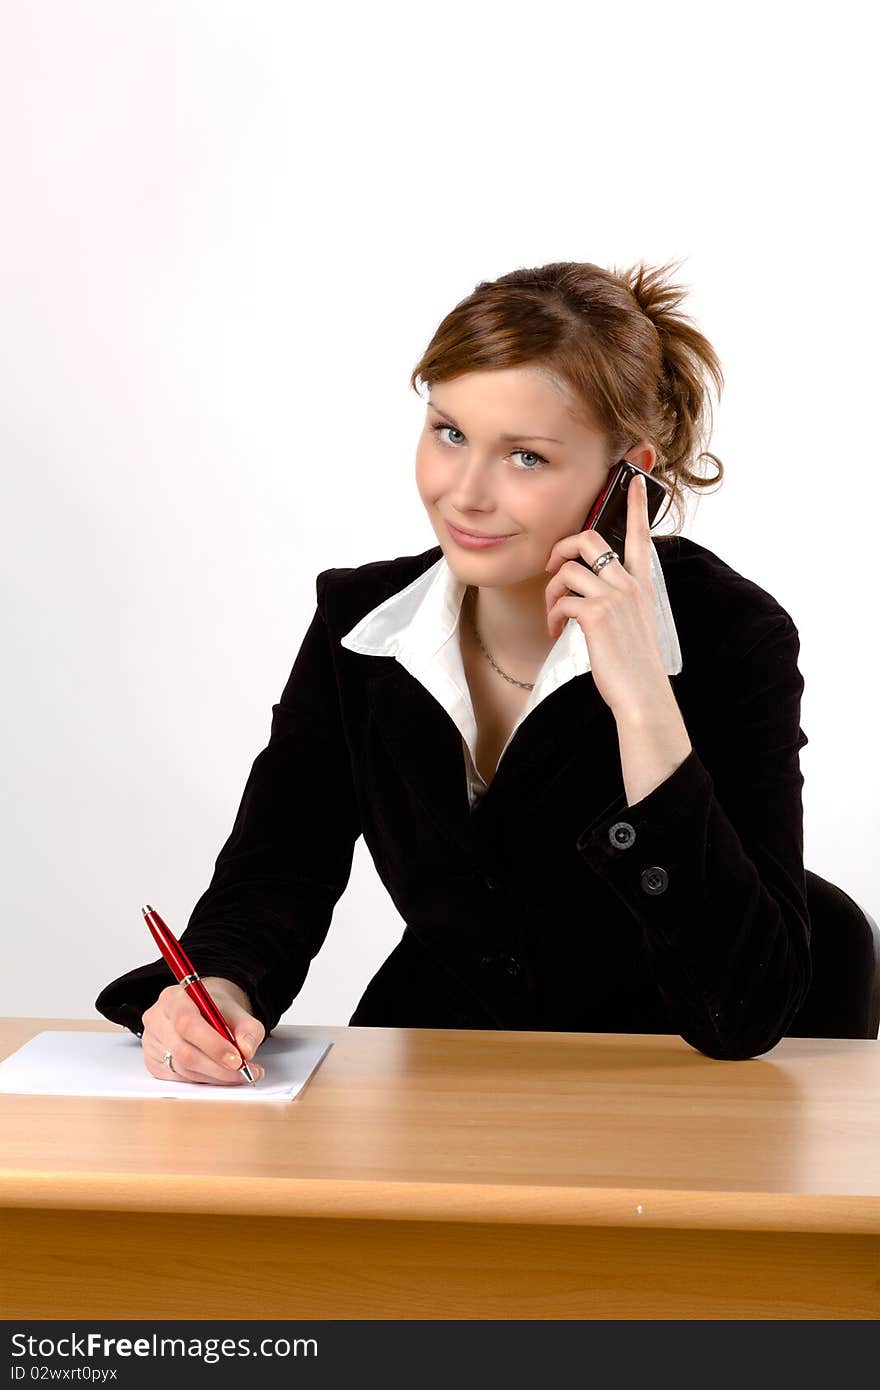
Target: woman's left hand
[615, 610]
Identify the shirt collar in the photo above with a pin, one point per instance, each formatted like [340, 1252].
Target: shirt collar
[419, 624]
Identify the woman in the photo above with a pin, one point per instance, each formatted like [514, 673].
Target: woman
[578, 777]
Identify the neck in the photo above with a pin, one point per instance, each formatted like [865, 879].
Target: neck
[512, 622]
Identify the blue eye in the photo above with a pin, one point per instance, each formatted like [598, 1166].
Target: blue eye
[530, 452]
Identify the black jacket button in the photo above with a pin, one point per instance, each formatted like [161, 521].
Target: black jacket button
[655, 880]
[491, 883]
[622, 835]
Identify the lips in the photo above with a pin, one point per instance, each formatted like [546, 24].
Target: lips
[480, 535]
[465, 541]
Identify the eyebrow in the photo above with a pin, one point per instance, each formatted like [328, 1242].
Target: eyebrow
[506, 437]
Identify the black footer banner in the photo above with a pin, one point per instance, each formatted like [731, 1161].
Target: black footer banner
[454, 1355]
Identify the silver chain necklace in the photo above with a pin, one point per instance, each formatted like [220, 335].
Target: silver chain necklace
[472, 595]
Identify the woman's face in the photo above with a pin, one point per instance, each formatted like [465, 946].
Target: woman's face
[502, 453]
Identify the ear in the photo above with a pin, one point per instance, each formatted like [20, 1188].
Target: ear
[643, 455]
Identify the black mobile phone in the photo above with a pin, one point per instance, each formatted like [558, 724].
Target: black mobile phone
[608, 513]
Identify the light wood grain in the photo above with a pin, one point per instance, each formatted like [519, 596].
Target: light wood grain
[133, 1265]
[431, 1173]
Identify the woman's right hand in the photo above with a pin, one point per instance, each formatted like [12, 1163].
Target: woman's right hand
[198, 1052]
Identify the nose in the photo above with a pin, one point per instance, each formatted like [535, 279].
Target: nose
[470, 490]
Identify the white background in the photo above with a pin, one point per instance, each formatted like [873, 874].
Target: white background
[227, 232]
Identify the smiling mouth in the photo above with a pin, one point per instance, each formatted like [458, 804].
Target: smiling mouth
[481, 535]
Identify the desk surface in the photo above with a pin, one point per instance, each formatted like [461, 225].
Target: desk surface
[597, 1129]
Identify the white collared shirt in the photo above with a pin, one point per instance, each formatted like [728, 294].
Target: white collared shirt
[419, 627]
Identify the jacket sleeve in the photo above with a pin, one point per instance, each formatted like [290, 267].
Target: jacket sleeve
[710, 863]
[276, 881]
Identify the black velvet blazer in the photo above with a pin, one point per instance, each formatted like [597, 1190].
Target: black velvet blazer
[552, 904]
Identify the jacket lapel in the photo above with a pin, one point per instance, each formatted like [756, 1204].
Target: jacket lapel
[425, 745]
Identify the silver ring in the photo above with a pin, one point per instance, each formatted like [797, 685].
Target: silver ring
[602, 560]
[599, 563]
[167, 1062]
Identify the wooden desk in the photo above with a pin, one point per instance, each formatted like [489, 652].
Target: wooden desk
[451, 1174]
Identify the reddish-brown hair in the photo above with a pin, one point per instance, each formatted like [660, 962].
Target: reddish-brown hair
[632, 366]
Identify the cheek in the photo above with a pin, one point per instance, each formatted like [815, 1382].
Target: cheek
[429, 475]
[552, 506]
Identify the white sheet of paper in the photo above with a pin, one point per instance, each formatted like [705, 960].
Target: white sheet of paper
[67, 1063]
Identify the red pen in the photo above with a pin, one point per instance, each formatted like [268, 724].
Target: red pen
[185, 975]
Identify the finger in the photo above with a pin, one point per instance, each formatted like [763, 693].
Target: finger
[174, 1024]
[638, 528]
[588, 545]
[202, 1036]
[564, 608]
[249, 1031]
[571, 575]
[189, 1064]
[565, 549]
[578, 579]
[181, 1029]
[162, 1072]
